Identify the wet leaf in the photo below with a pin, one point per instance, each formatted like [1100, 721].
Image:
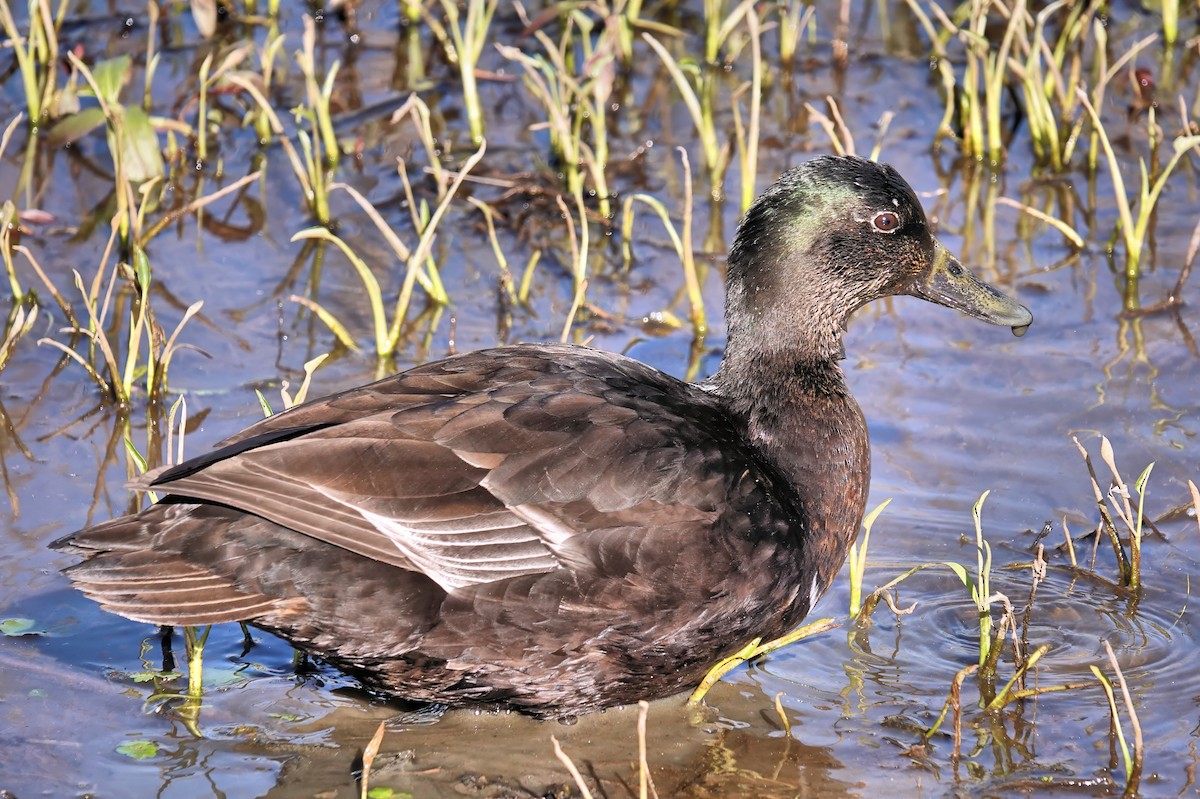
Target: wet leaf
[139, 750]
[204, 14]
[150, 676]
[76, 126]
[382, 792]
[660, 323]
[17, 627]
[959, 570]
[142, 155]
[141, 266]
[110, 75]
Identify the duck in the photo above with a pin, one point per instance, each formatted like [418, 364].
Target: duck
[550, 528]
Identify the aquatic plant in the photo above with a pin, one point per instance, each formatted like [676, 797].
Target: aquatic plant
[755, 649]
[1118, 499]
[115, 375]
[574, 102]
[132, 140]
[716, 158]
[37, 56]
[19, 322]
[319, 143]
[682, 241]
[387, 334]
[1134, 232]
[1131, 759]
[1047, 71]
[464, 47]
[856, 562]
[747, 134]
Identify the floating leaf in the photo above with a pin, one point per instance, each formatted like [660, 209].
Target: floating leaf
[150, 676]
[139, 750]
[17, 627]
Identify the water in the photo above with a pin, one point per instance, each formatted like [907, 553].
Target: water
[955, 408]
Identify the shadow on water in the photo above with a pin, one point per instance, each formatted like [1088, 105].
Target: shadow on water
[85, 702]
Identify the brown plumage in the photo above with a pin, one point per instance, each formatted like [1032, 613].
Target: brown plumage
[551, 527]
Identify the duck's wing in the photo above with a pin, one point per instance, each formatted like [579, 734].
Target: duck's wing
[482, 467]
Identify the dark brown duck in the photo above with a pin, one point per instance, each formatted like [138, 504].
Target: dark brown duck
[549, 527]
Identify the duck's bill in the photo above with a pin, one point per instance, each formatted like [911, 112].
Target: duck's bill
[951, 284]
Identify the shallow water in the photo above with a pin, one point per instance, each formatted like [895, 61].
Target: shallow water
[955, 408]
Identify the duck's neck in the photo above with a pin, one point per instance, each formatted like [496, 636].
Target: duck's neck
[801, 419]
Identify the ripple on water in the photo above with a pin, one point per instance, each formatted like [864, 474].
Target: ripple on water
[1152, 636]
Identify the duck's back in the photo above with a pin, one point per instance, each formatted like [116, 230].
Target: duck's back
[552, 527]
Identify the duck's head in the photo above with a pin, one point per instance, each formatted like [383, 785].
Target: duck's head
[829, 237]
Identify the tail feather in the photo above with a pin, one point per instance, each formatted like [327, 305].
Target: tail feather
[135, 566]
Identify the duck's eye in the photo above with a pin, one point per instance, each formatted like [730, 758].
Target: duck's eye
[885, 222]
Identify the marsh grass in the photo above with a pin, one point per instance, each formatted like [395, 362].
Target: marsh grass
[680, 239]
[716, 156]
[1118, 499]
[579, 240]
[1134, 231]
[754, 649]
[979, 587]
[9, 225]
[1031, 74]
[386, 332]
[36, 53]
[18, 324]
[747, 134]
[646, 789]
[994, 703]
[857, 560]
[208, 81]
[1131, 758]
[974, 98]
[311, 171]
[794, 19]
[464, 46]
[574, 102]
[147, 354]
[841, 138]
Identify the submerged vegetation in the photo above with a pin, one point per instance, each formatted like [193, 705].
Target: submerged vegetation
[251, 124]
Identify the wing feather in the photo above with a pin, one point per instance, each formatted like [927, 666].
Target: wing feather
[475, 469]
